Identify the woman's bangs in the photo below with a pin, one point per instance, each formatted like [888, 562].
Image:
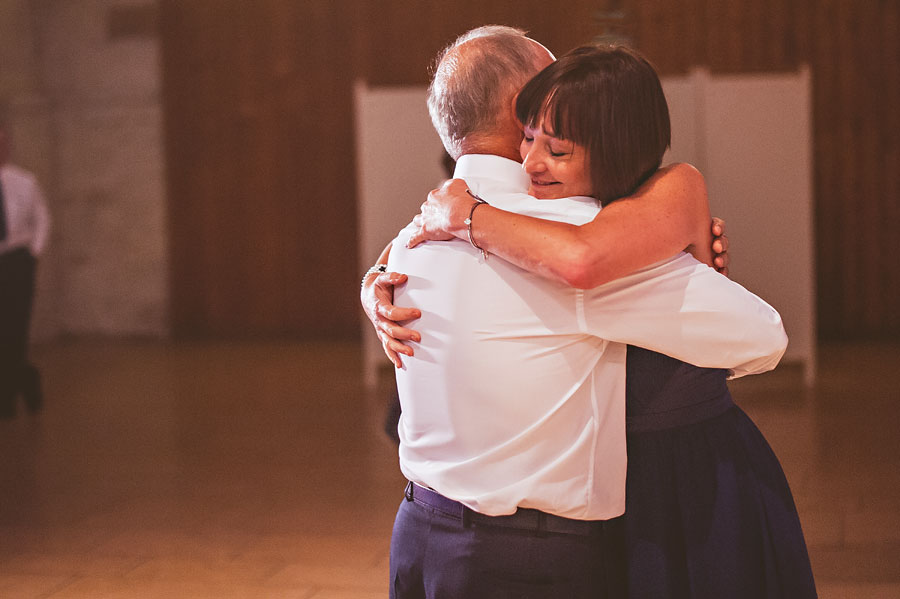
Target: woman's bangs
[530, 105]
[558, 105]
[560, 114]
[554, 113]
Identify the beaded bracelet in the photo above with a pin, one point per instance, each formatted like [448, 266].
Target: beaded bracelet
[378, 268]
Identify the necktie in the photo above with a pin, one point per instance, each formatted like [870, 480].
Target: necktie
[3, 231]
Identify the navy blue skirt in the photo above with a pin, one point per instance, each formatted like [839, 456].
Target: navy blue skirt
[709, 513]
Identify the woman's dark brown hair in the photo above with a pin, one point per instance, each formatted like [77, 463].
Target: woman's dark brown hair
[608, 99]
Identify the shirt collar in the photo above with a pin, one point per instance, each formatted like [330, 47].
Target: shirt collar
[504, 171]
[512, 177]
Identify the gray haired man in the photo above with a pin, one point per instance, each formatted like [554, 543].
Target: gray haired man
[512, 435]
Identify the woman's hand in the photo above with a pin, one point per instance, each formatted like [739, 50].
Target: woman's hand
[377, 298]
[720, 246]
[443, 214]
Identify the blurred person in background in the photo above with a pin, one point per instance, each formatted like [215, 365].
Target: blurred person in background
[24, 228]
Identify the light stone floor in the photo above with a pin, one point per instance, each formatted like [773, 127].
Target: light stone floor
[260, 470]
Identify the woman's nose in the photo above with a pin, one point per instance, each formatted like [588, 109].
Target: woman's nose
[533, 163]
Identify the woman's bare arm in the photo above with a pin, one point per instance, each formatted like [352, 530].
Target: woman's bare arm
[635, 236]
[668, 214]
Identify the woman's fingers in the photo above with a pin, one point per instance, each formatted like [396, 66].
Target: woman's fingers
[720, 246]
[393, 349]
[418, 234]
[377, 298]
[385, 282]
[722, 259]
[395, 331]
[718, 226]
[387, 314]
[390, 353]
[430, 224]
[379, 295]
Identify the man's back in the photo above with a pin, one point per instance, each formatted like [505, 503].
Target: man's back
[499, 402]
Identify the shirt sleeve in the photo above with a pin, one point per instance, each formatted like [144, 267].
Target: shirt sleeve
[686, 310]
[40, 220]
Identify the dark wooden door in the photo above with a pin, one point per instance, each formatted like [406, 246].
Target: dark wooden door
[260, 168]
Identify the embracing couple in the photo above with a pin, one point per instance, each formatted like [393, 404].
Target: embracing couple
[566, 427]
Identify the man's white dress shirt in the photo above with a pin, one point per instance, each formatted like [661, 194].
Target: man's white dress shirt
[516, 394]
[27, 220]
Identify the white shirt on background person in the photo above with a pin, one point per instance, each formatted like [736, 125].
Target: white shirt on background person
[27, 219]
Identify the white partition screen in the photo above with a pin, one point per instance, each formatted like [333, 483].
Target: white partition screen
[398, 161]
[750, 135]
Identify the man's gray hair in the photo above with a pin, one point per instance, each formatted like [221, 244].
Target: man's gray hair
[471, 96]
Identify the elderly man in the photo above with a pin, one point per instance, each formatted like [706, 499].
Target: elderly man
[24, 226]
[512, 434]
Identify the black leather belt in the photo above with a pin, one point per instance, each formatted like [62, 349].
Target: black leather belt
[524, 518]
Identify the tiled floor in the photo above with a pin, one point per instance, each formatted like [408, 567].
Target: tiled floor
[260, 470]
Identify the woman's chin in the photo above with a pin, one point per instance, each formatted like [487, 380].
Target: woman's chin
[544, 192]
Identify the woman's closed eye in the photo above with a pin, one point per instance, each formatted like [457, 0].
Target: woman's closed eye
[558, 150]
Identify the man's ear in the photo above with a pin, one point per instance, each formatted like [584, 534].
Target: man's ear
[512, 109]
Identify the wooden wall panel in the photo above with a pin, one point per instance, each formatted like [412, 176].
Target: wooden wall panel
[828, 169]
[402, 37]
[888, 116]
[258, 105]
[856, 137]
[260, 167]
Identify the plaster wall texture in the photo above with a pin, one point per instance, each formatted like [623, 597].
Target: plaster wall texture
[86, 114]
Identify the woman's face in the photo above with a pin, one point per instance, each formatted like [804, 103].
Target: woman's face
[558, 168]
